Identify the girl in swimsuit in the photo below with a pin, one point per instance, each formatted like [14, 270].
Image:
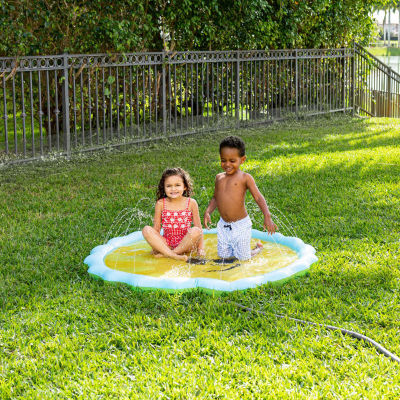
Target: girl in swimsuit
[174, 212]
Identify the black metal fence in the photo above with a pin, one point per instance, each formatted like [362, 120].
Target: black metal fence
[62, 104]
[377, 89]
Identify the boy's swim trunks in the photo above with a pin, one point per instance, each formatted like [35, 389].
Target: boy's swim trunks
[234, 238]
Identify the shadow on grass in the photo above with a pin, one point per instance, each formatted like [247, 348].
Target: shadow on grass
[341, 207]
[306, 141]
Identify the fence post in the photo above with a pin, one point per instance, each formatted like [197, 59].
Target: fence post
[353, 79]
[237, 105]
[344, 81]
[164, 95]
[65, 105]
[389, 91]
[297, 84]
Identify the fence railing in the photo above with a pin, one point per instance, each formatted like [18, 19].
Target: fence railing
[67, 103]
[377, 89]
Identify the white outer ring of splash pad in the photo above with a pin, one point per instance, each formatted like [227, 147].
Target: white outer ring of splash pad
[95, 261]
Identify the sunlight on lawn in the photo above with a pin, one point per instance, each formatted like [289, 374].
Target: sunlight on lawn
[334, 181]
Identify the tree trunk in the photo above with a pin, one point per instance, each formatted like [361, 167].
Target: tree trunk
[384, 30]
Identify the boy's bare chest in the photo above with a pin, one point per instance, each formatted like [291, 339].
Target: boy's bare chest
[231, 186]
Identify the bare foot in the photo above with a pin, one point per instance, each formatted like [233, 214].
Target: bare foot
[182, 257]
[257, 249]
[175, 257]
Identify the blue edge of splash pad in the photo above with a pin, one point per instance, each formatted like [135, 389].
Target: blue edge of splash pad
[97, 267]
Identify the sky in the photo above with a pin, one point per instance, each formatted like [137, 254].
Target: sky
[394, 16]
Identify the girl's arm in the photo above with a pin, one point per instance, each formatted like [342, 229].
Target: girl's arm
[212, 205]
[197, 223]
[157, 216]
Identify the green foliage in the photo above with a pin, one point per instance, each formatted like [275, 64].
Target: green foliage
[31, 27]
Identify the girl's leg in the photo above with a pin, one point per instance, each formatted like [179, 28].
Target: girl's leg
[157, 242]
[189, 242]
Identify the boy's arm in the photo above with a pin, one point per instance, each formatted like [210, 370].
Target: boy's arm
[157, 216]
[259, 199]
[197, 223]
[212, 205]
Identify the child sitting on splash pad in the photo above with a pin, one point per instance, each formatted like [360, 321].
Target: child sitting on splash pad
[234, 226]
[174, 212]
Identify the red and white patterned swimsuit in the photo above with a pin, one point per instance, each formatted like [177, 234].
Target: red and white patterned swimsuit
[175, 223]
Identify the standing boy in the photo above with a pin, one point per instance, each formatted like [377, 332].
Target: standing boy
[234, 227]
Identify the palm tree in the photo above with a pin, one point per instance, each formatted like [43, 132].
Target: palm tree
[384, 29]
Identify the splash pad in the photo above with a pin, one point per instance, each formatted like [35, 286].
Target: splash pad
[127, 259]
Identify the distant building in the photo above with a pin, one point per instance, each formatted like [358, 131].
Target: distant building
[388, 24]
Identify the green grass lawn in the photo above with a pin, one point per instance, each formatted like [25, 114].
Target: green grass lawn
[384, 51]
[65, 335]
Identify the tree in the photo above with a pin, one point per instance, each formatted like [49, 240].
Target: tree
[31, 27]
[40, 27]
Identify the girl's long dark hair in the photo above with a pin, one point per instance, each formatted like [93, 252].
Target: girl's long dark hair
[187, 181]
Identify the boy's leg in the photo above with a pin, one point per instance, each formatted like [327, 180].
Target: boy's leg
[257, 249]
[157, 242]
[242, 248]
[223, 240]
[189, 242]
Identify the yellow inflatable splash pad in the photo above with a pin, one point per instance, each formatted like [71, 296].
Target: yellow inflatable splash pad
[128, 259]
[137, 259]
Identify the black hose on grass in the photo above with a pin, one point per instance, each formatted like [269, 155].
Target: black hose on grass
[356, 335]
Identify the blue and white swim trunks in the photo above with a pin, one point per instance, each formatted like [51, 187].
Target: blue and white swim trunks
[234, 238]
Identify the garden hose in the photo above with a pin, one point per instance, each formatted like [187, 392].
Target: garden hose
[356, 335]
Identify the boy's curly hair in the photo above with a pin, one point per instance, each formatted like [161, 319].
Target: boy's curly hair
[187, 181]
[233, 142]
